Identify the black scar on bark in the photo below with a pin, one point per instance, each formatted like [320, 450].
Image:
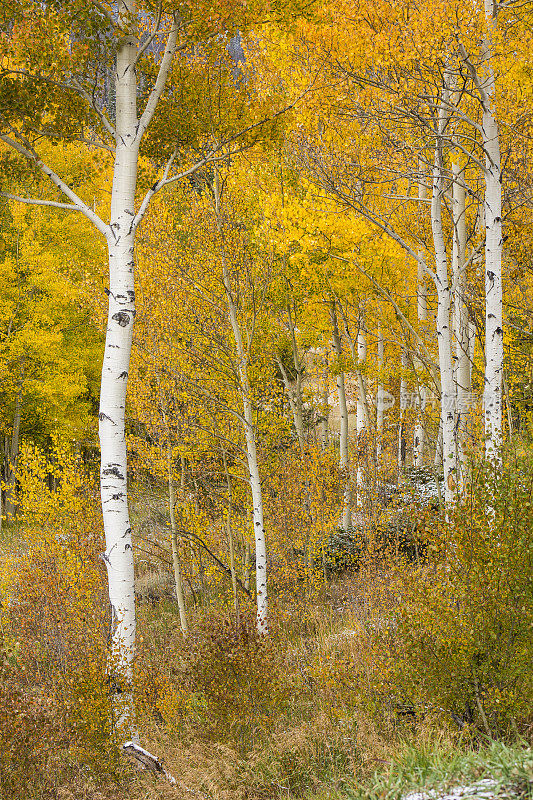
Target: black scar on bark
[490, 275]
[122, 318]
[123, 375]
[113, 471]
[131, 294]
[498, 331]
[102, 416]
[118, 496]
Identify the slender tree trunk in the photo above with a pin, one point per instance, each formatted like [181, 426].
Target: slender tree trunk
[178, 584]
[299, 369]
[295, 402]
[113, 474]
[362, 413]
[461, 328]
[231, 546]
[247, 566]
[443, 321]
[251, 447]
[344, 457]
[493, 253]
[419, 434]
[380, 400]
[12, 459]
[401, 427]
[324, 432]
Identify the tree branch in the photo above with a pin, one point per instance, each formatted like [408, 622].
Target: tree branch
[159, 86]
[31, 155]
[35, 202]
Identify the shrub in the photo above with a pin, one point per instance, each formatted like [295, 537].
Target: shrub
[237, 672]
[460, 637]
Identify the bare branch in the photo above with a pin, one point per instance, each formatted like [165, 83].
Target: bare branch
[159, 86]
[29, 153]
[35, 202]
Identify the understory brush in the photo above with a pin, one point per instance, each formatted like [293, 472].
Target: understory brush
[344, 694]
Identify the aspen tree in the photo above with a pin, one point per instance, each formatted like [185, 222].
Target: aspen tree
[249, 430]
[66, 100]
[344, 453]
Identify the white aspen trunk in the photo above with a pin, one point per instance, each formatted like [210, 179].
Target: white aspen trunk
[247, 566]
[295, 403]
[344, 455]
[362, 407]
[259, 528]
[231, 545]
[493, 254]
[12, 460]
[178, 584]
[419, 433]
[380, 401]
[253, 468]
[403, 409]
[461, 329]
[298, 402]
[443, 326]
[113, 472]
[324, 432]
[251, 447]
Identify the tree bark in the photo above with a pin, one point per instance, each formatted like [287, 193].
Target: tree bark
[493, 252]
[380, 399]
[178, 583]
[419, 433]
[443, 318]
[113, 471]
[11, 460]
[251, 446]
[401, 425]
[344, 455]
[461, 327]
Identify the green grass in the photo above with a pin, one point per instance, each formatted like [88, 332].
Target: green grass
[422, 769]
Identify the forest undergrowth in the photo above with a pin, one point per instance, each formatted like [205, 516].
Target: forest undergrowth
[401, 655]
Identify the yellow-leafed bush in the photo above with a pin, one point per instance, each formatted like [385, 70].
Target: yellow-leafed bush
[458, 638]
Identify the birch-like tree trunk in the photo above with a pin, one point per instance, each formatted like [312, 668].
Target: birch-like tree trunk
[254, 476]
[344, 454]
[178, 583]
[380, 400]
[250, 438]
[324, 424]
[362, 420]
[461, 327]
[403, 408]
[231, 543]
[443, 319]
[118, 555]
[493, 250]
[419, 433]
[11, 459]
